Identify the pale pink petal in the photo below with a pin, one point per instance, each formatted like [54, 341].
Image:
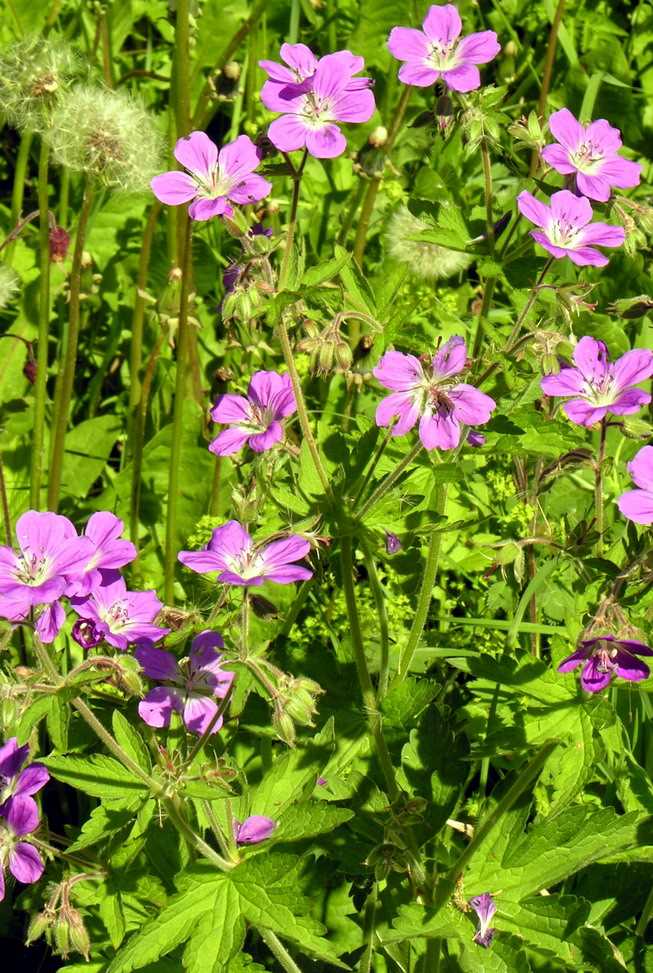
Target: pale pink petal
[206, 209]
[584, 414]
[558, 158]
[464, 78]
[566, 129]
[417, 74]
[300, 58]
[253, 829]
[198, 713]
[159, 705]
[438, 431]
[637, 505]
[479, 48]
[331, 77]
[354, 106]
[591, 359]
[442, 24]
[632, 400]
[229, 441]
[408, 44]
[263, 441]
[174, 188]
[239, 158]
[603, 235]
[230, 540]
[602, 133]
[471, 406]
[401, 405]
[287, 133]
[587, 257]
[571, 209]
[327, 142]
[450, 358]
[641, 468]
[398, 371]
[535, 211]
[622, 173]
[568, 381]
[633, 367]
[50, 621]
[594, 187]
[250, 190]
[197, 153]
[283, 97]
[25, 863]
[543, 240]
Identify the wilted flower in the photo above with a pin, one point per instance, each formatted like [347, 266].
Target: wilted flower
[9, 284]
[436, 52]
[231, 552]
[596, 386]
[312, 96]
[22, 858]
[567, 230]
[484, 907]
[637, 505]
[215, 178]
[253, 829]
[421, 258]
[121, 616]
[431, 394]
[605, 656]
[16, 782]
[592, 153]
[86, 633]
[255, 419]
[34, 73]
[107, 135]
[191, 687]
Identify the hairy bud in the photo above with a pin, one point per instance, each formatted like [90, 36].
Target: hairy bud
[283, 726]
[298, 698]
[59, 241]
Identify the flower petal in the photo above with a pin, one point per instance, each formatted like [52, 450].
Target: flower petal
[471, 406]
[206, 209]
[464, 78]
[442, 24]
[229, 441]
[603, 235]
[158, 706]
[438, 431]
[12, 757]
[641, 468]
[285, 551]
[250, 190]
[354, 106]
[23, 815]
[418, 74]
[558, 158]
[566, 129]
[300, 58]
[238, 159]
[198, 713]
[401, 405]
[450, 358]
[592, 679]
[398, 371]
[584, 414]
[25, 863]
[591, 359]
[593, 186]
[632, 400]
[568, 381]
[31, 780]
[535, 211]
[263, 441]
[569, 208]
[408, 44]
[156, 663]
[197, 153]
[622, 173]
[479, 48]
[327, 142]
[174, 188]
[253, 829]
[574, 660]
[231, 408]
[637, 505]
[287, 133]
[630, 667]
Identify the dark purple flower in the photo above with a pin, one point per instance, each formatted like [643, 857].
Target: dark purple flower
[231, 552]
[596, 386]
[87, 634]
[484, 907]
[592, 153]
[121, 616]
[255, 420]
[214, 179]
[230, 277]
[430, 394]
[392, 542]
[566, 229]
[475, 438]
[16, 782]
[190, 687]
[637, 505]
[253, 829]
[606, 656]
[22, 858]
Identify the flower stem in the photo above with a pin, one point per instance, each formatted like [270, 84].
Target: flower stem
[547, 73]
[278, 950]
[178, 418]
[379, 600]
[292, 220]
[380, 449]
[18, 189]
[182, 82]
[489, 194]
[426, 589]
[67, 368]
[40, 389]
[389, 481]
[598, 486]
[4, 503]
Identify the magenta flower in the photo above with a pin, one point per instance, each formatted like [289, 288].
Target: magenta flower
[16, 782]
[604, 657]
[190, 687]
[253, 829]
[312, 103]
[596, 386]
[566, 230]
[430, 393]
[637, 505]
[484, 907]
[592, 153]
[121, 616]
[231, 552]
[214, 179]
[22, 858]
[255, 420]
[437, 51]
[392, 543]
[104, 530]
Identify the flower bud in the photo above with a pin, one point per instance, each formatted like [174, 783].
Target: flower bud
[392, 542]
[86, 634]
[284, 727]
[39, 925]
[298, 698]
[378, 137]
[30, 370]
[59, 241]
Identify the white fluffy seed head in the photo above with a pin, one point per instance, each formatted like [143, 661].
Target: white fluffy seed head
[426, 260]
[9, 284]
[34, 74]
[108, 136]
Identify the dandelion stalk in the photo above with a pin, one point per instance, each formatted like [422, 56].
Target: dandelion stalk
[18, 189]
[67, 368]
[40, 388]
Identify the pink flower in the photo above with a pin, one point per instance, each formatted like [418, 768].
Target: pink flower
[637, 505]
[121, 616]
[231, 552]
[596, 386]
[436, 52]
[111, 552]
[312, 96]
[484, 907]
[604, 657]
[214, 178]
[430, 393]
[255, 420]
[16, 782]
[591, 152]
[253, 829]
[191, 687]
[23, 859]
[567, 230]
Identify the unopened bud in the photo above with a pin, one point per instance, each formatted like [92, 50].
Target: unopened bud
[510, 49]
[284, 727]
[30, 370]
[232, 70]
[299, 696]
[39, 924]
[343, 355]
[378, 137]
[59, 241]
[86, 634]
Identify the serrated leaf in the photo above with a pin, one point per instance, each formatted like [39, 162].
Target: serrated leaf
[97, 775]
[292, 773]
[102, 824]
[327, 270]
[545, 922]
[307, 820]
[32, 716]
[219, 934]
[131, 741]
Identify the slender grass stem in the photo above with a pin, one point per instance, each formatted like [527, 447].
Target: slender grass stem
[389, 481]
[4, 504]
[18, 188]
[547, 72]
[40, 387]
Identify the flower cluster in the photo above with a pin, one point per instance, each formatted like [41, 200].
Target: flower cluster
[19, 814]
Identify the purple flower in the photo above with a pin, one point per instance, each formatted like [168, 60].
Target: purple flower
[253, 829]
[437, 52]
[23, 859]
[392, 542]
[14, 781]
[597, 386]
[121, 616]
[566, 230]
[476, 438]
[591, 152]
[87, 633]
[429, 392]
[637, 505]
[104, 530]
[484, 907]
[214, 178]
[190, 688]
[254, 420]
[312, 96]
[606, 656]
[232, 552]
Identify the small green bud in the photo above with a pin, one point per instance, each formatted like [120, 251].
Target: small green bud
[284, 727]
[39, 925]
[299, 697]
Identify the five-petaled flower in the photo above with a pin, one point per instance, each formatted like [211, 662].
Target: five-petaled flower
[312, 96]
[232, 552]
[596, 386]
[605, 656]
[121, 616]
[16, 782]
[253, 829]
[591, 152]
[430, 392]
[255, 419]
[437, 51]
[190, 687]
[484, 907]
[214, 179]
[566, 229]
[22, 858]
[637, 505]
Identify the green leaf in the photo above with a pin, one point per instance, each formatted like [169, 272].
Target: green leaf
[96, 775]
[306, 820]
[545, 922]
[291, 774]
[326, 271]
[103, 823]
[218, 935]
[88, 446]
[131, 741]
[32, 716]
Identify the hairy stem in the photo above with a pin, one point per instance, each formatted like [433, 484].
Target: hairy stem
[40, 387]
[379, 600]
[598, 486]
[4, 504]
[278, 950]
[389, 481]
[548, 72]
